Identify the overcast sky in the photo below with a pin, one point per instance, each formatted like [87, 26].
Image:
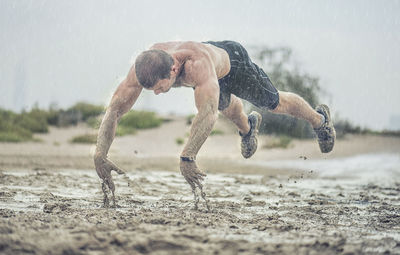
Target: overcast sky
[66, 51]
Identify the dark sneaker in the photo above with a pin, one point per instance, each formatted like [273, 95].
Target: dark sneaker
[326, 133]
[249, 141]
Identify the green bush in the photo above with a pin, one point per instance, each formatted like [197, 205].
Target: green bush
[179, 141]
[124, 130]
[87, 110]
[344, 127]
[140, 120]
[34, 121]
[11, 132]
[52, 117]
[18, 135]
[86, 138]
[6, 116]
[279, 142]
[93, 122]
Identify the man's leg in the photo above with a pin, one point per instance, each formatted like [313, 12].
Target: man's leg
[320, 118]
[296, 106]
[236, 114]
[247, 125]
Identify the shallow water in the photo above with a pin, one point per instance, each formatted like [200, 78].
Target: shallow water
[367, 167]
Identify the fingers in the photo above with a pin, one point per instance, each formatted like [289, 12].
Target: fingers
[192, 174]
[190, 181]
[196, 198]
[194, 179]
[105, 166]
[106, 202]
[115, 167]
[201, 173]
[198, 183]
[110, 184]
[103, 169]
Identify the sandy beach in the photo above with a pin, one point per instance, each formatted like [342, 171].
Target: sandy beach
[281, 201]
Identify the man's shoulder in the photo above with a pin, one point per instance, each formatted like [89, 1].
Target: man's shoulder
[175, 45]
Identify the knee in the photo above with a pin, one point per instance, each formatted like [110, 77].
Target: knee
[284, 102]
[235, 106]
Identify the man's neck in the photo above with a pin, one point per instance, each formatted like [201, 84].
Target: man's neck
[180, 57]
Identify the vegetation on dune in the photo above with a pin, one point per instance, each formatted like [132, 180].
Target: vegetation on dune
[140, 120]
[93, 122]
[179, 140]
[124, 130]
[134, 120]
[282, 141]
[87, 110]
[86, 138]
[34, 121]
[344, 127]
[20, 127]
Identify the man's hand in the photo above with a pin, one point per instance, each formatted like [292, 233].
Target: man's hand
[103, 168]
[194, 176]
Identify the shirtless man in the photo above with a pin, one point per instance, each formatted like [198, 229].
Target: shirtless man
[219, 73]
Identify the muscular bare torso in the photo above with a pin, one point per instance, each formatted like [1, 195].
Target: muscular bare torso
[188, 53]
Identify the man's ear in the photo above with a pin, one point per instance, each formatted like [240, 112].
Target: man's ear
[174, 70]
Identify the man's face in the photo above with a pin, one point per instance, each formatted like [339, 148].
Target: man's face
[163, 86]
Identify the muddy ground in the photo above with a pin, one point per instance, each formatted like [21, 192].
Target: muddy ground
[49, 211]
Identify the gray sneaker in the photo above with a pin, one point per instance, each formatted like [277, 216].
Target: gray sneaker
[326, 133]
[249, 141]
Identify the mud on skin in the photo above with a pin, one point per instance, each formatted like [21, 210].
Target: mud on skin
[59, 212]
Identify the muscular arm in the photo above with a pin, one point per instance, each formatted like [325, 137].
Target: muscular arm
[206, 97]
[202, 74]
[123, 99]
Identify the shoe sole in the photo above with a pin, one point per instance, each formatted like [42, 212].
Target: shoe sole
[259, 119]
[256, 128]
[324, 109]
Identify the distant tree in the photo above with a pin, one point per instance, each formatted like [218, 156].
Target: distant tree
[286, 76]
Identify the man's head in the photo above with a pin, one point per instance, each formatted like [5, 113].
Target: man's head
[152, 66]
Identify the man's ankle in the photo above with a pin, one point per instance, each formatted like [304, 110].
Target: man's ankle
[243, 132]
[322, 121]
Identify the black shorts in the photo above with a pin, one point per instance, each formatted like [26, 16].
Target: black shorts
[245, 79]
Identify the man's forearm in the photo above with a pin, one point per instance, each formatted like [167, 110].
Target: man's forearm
[106, 132]
[201, 129]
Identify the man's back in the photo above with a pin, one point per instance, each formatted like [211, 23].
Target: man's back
[189, 52]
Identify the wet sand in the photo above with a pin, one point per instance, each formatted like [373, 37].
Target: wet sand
[59, 212]
[276, 203]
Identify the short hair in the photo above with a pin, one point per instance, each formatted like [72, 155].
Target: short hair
[153, 65]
